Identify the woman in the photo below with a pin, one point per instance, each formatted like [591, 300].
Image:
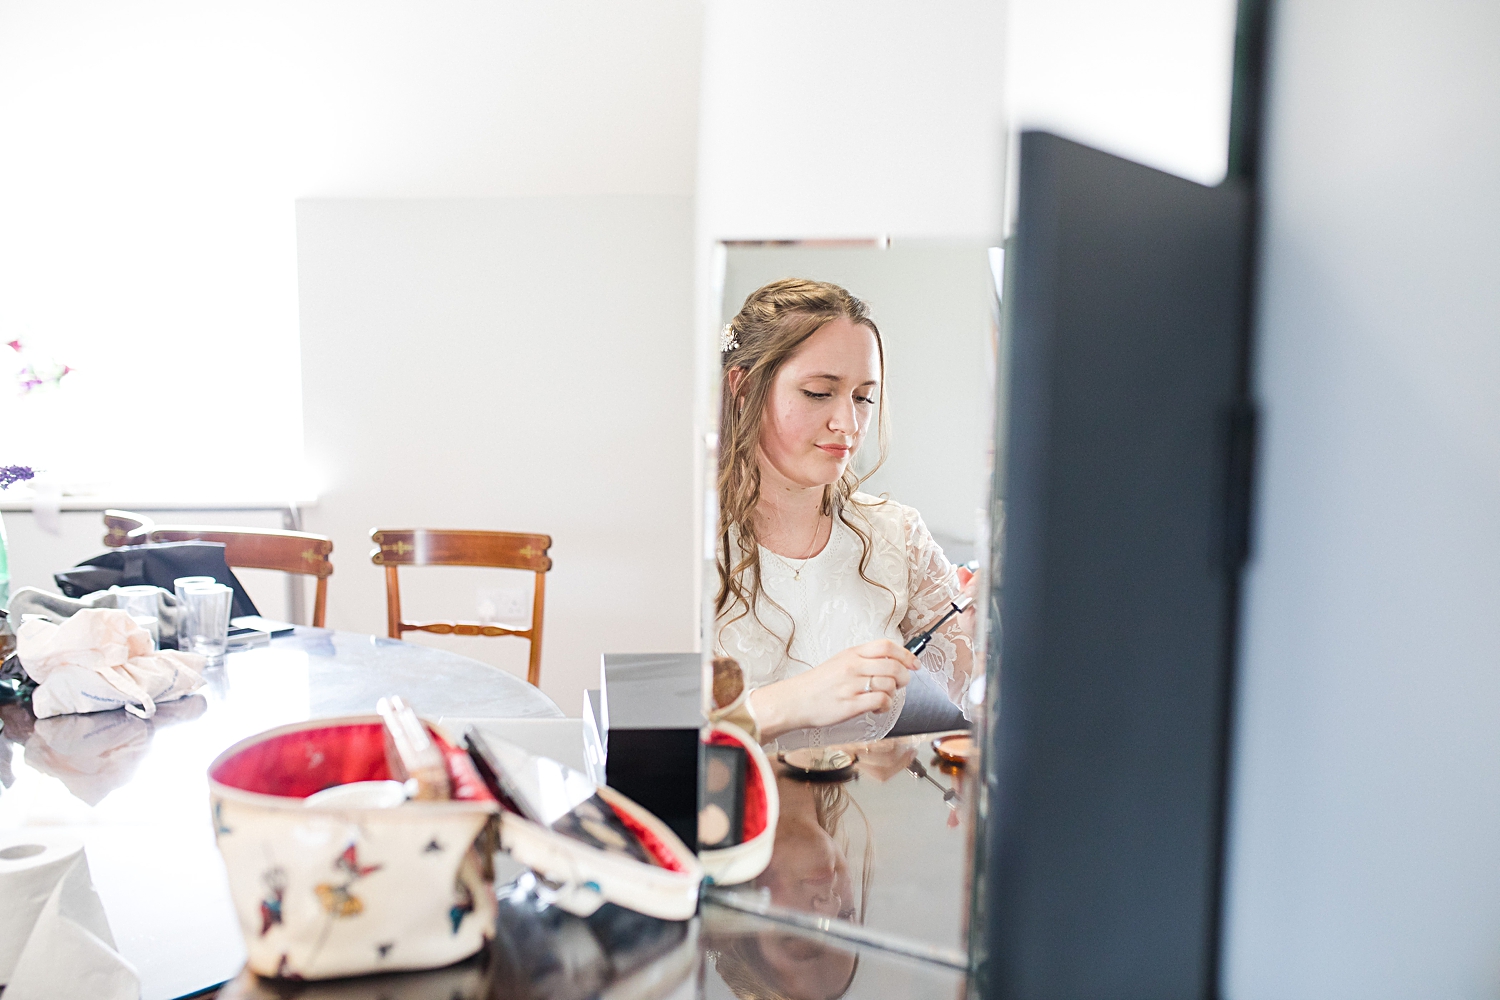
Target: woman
[820, 585]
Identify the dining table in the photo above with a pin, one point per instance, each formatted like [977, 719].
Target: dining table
[134, 791]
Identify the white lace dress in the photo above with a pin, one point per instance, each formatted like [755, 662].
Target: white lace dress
[834, 609]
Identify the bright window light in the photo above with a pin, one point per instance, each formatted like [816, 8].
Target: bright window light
[147, 240]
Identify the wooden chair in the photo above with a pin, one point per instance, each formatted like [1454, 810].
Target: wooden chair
[249, 548]
[495, 549]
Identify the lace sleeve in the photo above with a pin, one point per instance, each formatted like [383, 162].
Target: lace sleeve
[932, 584]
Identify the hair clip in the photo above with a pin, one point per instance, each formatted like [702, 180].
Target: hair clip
[728, 341]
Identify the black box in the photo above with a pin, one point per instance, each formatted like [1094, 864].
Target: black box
[651, 709]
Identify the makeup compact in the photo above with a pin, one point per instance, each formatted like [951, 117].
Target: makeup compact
[819, 763]
[721, 795]
[957, 749]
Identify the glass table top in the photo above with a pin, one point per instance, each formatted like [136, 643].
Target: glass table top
[882, 856]
[542, 953]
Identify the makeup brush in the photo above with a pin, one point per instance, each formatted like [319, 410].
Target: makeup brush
[919, 642]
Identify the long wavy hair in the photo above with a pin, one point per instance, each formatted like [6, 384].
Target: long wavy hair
[774, 322]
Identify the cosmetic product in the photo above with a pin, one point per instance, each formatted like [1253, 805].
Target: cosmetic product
[410, 753]
[651, 710]
[819, 763]
[552, 795]
[919, 642]
[956, 750]
[721, 795]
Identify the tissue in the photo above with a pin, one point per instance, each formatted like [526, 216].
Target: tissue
[54, 936]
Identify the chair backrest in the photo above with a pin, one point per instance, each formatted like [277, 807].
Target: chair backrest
[396, 547]
[248, 548]
[121, 528]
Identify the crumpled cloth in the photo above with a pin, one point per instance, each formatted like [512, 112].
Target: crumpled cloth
[98, 660]
[56, 607]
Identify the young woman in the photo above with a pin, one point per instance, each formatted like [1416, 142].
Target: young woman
[820, 585]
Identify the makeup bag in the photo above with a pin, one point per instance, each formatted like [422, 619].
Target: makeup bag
[324, 891]
[747, 859]
[579, 877]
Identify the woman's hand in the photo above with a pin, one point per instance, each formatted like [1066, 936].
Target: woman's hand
[860, 679]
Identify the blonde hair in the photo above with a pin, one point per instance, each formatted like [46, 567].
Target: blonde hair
[774, 322]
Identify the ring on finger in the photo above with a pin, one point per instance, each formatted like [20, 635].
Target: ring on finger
[868, 681]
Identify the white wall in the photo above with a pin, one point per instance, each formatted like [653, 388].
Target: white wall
[154, 153]
[154, 149]
[513, 365]
[846, 118]
[1366, 825]
[1144, 79]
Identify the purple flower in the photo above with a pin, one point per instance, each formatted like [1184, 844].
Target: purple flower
[10, 474]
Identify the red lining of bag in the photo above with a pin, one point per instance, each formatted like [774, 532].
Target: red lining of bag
[302, 763]
[650, 841]
[755, 790]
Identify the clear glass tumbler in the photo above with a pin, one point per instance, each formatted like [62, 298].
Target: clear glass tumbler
[138, 601]
[179, 587]
[206, 618]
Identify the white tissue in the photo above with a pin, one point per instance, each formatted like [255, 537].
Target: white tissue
[54, 936]
[99, 659]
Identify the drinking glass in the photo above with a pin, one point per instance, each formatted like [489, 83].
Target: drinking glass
[138, 601]
[206, 618]
[179, 587]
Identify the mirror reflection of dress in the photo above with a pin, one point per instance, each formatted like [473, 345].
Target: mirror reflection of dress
[825, 606]
[817, 868]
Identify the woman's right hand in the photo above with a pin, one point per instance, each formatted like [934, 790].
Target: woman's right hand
[861, 679]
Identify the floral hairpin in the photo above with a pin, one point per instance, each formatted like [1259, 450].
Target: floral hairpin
[728, 341]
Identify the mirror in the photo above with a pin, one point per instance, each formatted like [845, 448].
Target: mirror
[852, 395]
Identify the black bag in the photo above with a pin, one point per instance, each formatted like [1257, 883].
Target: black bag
[156, 565]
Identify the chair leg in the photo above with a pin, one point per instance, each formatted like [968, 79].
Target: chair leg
[392, 603]
[320, 602]
[534, 667]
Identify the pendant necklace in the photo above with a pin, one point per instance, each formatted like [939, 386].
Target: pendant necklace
[797, 569]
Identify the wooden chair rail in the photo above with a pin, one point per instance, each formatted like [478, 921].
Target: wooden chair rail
[497, 549]
[396, 547]
[464, 628]
[121, 528]
[296, 552]
[258, 548]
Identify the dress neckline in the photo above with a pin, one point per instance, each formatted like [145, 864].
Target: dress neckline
[796, 566]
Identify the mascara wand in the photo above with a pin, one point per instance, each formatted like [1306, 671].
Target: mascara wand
[919, 642]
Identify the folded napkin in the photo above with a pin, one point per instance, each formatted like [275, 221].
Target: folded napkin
[56, 940]
[98, 660]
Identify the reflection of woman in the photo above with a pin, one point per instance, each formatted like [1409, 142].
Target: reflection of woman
[809, 872]
[819, 584]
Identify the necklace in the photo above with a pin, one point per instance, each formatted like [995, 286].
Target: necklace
[797, 567]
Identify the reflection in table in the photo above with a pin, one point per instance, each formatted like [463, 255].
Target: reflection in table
[135, 792]
[881, 857]
[541, 953]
